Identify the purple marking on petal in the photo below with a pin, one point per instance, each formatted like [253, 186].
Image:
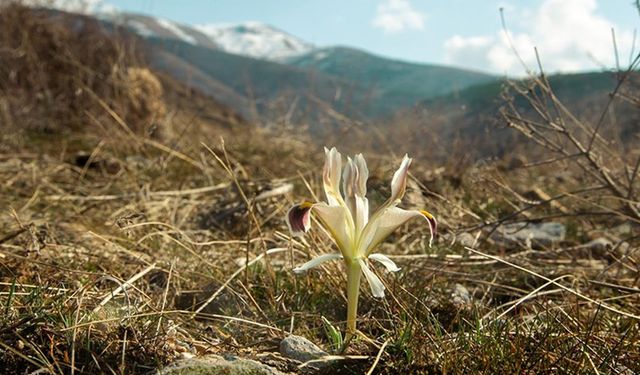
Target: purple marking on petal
[432, 220]
[299, 218]
[433, 224]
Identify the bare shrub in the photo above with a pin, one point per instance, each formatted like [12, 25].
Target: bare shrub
[60, 72]
[605, 165]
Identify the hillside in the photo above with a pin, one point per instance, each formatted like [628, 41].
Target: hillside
[472, 116]
[256, 40]
[148, 26]
[353, 83]
[150, 229]
[277, 69]
[569, 88]
[258, 84]
[393, 84]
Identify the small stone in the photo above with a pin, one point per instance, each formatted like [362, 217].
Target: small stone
[623, 229]
[466, 239]
[599, 244]
[622, 249]
[300, 349]
[624, 370]
[461, 296]
[531, 235]
[187, 355]
[215, 365]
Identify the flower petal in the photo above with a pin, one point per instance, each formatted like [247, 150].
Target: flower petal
[316, 262]
[298, 218]
[336, 219]
[399, 181]
[355, 176]
[331, 175]
[377, 287]
[363, 174]
[398, 187]
[386, 262]
[354, 188]
[349, 176]
[362, 213]
[387, 221]
[433, 224]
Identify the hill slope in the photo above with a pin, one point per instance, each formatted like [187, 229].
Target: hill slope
[393, 83]
[256, 40]
[263, 66]
[472, 117]
[254, 85]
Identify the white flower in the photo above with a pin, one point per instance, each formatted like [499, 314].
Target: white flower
[346, 217]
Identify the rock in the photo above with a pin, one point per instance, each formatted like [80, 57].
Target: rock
[531, 235]
[461, 296]
[225, 303]
[217, 365]
[187, 355]
[624, 229]
[300, 349]
[624, 370]
[622, 249]
[466, 239]
[600, 244]
[611, 249]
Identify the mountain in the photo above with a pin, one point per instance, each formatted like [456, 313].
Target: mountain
[251, 39]
[263, 70]
[361, 87]
[153, 27]
[392, 83]
[269, 76]
[471, 117]
[262, 90]
[420, 108]
[256, 40]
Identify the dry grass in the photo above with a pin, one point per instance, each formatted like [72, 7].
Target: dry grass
[164, 237]
[143, 250]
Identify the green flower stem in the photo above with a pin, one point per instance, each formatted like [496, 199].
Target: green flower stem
[354, 272]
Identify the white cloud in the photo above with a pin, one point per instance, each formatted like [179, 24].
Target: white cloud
[569, 35]
[393, 16]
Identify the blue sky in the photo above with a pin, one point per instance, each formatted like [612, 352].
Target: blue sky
[571, 35]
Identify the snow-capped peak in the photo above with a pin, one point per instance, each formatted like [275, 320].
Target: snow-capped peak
[255, 39]
[177, 31]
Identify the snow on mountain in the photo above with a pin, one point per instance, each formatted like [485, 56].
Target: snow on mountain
[256, 40]
[253, 39]
[73, 6]
[177, 31]
[152, 27]
[139, 27]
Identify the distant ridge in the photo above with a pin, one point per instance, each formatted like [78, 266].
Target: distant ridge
[393, 83]
[255, 39]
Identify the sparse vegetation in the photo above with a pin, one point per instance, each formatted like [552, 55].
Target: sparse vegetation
[123, 249]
